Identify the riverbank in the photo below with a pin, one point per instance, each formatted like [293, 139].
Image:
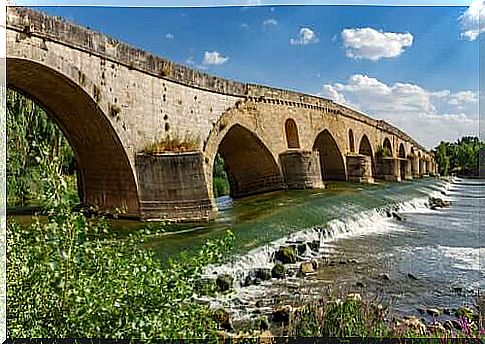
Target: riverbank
[409, 255]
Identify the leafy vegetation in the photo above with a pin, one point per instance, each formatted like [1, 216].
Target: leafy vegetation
[174, 143]
[383, 152]
[64, 279]
[460, 157]
[220, 181]
[32, 137]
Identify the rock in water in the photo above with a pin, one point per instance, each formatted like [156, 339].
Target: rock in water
[301, 248]
[282, 314]
[286, 255]
[433, 312]
[263, 274]
[314, 245]
[397, 216]
[224, 282]
[306, 268]
[385, 277]
[278, 271]
[223, 319]
[411, 276]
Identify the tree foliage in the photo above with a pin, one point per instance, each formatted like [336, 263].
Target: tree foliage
[30, 135]
[460, 157]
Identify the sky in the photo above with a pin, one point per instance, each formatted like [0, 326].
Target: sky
[415, 67]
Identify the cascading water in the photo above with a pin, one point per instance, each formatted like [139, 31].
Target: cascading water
[394, 233]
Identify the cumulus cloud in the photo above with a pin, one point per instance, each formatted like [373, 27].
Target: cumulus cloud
[472, 22]
[169, 36]
[270, 22]
[368, 43]
[214, 58]
[305, 36]
[428, 116]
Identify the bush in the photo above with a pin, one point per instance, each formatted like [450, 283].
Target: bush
[67, 278]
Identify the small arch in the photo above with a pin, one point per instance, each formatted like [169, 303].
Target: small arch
[387, 145]
[402, 151]
[291, 131]
[365, 148]
[331, 160]
[250, 166]
[351, 141]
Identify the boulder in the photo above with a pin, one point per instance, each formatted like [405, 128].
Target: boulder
[385, 277]
[314, 245]
[224, 282]
[282, 314]
[360, 285]
[306, 268]
[301, 248]
[278, 271]
[286, 255]
[413, 277]
[354, 297]
[263, 274]
[223, 319]
[436, 202]
[397, 216]
[433, 312]
[414, 324]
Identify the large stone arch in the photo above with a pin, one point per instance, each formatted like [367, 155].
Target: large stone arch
[106, 176]
[332, 163]
[250, 164]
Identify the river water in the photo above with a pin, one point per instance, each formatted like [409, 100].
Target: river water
[431, 257]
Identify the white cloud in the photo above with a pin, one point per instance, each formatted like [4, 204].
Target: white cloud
[244, 26]
[428, 116]
[169, 36]
[368, 43]
[253, 2]
[214, 58]
[270, 22]
[305, 36]
[472, 22]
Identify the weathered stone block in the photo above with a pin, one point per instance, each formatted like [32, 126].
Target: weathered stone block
[388, 169]
[359, 168]
[172, 186]
[301, 169]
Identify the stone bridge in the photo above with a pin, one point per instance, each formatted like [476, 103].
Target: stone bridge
[112, 101]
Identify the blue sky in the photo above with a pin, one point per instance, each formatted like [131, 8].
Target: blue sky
[416, 67]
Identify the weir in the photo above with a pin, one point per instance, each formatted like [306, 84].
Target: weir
[114, 101]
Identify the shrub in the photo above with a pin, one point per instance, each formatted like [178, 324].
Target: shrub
[173, 144]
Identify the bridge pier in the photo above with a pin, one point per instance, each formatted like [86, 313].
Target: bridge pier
[173, 186]
[405, 168]
[422, 168]
[389, 169]
[415, 167]
[359, 168]
[301, 169]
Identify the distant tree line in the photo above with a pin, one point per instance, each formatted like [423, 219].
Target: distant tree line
[460, 157]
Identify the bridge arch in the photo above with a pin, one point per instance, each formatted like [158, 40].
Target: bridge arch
[105, 174]
[332, 164]
[365, 148]
[250, 166]
[291, 131]
[351, 141]
[402, 151]
[387, 145]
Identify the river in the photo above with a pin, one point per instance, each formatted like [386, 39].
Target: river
[419, 259]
